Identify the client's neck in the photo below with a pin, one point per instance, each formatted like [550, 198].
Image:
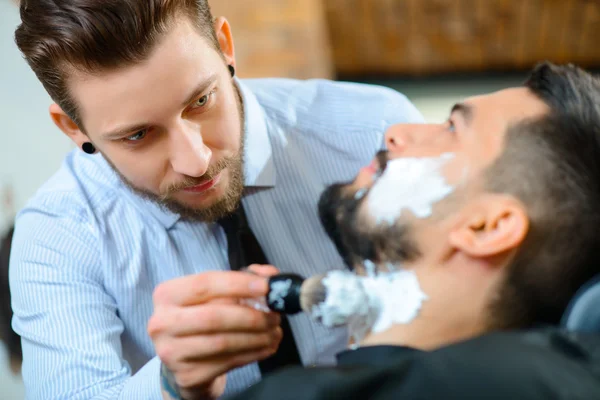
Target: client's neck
[442, 320]
[423, 335]
[455, 309]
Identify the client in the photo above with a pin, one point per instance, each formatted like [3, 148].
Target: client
[487, 225]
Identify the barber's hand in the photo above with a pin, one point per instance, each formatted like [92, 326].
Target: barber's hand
[200, 331]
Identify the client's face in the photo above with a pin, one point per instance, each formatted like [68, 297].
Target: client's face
[379, 216]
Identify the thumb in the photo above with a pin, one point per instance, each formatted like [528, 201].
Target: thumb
[263, 270]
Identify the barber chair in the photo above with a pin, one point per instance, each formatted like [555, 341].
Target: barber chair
[583, 313]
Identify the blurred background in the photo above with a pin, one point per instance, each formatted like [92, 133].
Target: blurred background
[434, 51]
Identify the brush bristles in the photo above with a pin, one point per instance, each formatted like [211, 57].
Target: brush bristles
[313, 292]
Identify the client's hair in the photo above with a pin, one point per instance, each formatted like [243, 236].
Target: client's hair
[552, 164]
[11, 340]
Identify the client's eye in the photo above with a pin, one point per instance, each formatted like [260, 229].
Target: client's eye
[450, 126]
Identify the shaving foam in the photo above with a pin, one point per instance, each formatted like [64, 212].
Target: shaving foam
[370, 268]
[345, 297]
[369, 304]
[397, 296]
[360, 194]
[414, 184]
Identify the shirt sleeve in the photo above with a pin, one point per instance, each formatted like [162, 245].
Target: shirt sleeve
[400, 110]
[68, 323]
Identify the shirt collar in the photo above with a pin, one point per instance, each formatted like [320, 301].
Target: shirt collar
[259, 168]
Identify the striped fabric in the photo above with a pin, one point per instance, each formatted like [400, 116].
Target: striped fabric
[87, 253]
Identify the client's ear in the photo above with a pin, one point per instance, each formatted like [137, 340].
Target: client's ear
[494, 224]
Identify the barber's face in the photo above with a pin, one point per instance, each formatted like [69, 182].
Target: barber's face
[170, 126]
[473, 134]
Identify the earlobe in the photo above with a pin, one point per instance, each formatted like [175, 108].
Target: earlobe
[225, 38]
[498, 225]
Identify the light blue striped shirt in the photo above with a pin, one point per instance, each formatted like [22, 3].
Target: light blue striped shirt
[87, 252]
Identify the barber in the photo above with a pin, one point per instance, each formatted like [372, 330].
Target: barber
[121, 263]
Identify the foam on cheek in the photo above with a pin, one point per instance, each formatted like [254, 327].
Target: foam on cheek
[408, 183]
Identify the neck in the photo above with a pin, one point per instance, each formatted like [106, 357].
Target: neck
[423, 335]
[452, 312]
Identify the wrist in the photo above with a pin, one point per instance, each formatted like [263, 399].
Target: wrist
[168, 384]
[172, 391]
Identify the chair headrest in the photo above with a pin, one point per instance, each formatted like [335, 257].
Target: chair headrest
[583, 312]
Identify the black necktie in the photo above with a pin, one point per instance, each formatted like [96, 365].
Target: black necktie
[243, 250]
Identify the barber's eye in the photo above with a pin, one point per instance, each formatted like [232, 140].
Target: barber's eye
[203, 101]
[137, 136]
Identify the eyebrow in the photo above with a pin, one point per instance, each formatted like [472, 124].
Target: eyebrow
[201, 88]
[465, 110]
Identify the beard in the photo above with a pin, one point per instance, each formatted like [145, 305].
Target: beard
[225, 205]
[356, 237]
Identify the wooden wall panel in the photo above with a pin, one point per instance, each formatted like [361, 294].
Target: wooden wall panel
[282, 38]
[419, 37]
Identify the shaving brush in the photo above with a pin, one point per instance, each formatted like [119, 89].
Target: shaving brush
[291, 293]
[333, 299]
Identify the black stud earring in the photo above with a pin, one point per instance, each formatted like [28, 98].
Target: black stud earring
[231, 70]
[88, 148]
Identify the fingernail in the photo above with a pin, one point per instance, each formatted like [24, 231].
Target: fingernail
[247, 270]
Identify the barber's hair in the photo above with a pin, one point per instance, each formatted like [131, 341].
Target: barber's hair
[11, 340]
[552, 164]
[59, 36]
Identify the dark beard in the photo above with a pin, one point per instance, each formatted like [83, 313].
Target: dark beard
[225, 205]
[358, 240]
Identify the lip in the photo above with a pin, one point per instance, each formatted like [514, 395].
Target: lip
[371, 169]
[203, 187]
[378, 165]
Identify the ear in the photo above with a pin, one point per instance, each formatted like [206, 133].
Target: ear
[494, 225]
[225, 38]
[66, 124]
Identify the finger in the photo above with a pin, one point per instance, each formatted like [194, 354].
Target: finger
[215, 347]
[211, 318]
[231, 344]
[221, 301]
[263, 270]
[200, 288]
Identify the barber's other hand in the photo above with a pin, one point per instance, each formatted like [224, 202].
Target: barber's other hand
[200, 331]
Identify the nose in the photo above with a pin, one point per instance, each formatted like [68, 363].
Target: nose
[189, 155]
[415, 138]
[397, 138]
